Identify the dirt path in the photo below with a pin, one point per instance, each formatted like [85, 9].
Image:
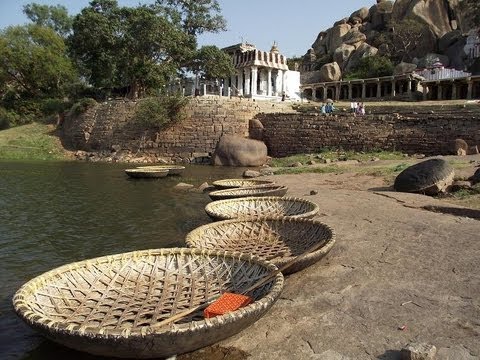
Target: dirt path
[396, 265]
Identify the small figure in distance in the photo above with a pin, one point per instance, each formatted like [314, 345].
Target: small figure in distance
[324, 109]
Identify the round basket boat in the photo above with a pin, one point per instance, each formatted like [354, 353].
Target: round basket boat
[262, 190]
[254, 207]
[172, 169]
[277, 240]
[146, 174]
[237, 183]
[111, 306]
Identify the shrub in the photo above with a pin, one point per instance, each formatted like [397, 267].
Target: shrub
[158, 112]
[7, 118]
[83, 105]
[370, 67]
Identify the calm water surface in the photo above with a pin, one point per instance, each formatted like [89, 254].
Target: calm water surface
[54, 213]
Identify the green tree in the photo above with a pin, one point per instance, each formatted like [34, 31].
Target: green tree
[212, 63]
[371, 67]
[54, 17]
[34, 62]
[137, 48]
[195, 16]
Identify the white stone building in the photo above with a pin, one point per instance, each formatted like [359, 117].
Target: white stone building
[260, 74]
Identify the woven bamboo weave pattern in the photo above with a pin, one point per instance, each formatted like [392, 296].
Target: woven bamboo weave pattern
[172, 169]
[237, 183]
[262, 190]
[277, 240]
[253, 207]
[121, 298]
[145, 174]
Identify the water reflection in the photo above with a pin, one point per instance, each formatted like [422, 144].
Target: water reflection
[56, 213]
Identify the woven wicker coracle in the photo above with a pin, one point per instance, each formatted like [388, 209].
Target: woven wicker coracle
[237, 183]
[172, 169]
[277, 240]
[254, 207]
[146, 174]
[109, 305]
[262, 190]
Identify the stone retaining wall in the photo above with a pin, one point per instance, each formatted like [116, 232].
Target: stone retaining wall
[287, 134]
[110, 126]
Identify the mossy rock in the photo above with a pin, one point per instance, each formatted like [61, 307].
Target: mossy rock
[429, 177]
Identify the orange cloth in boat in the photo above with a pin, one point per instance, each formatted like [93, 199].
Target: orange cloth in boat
[226, 303]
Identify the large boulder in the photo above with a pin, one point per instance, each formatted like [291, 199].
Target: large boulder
[429, 177]
[380, 14]
[434, 13]
[359, 16]
[330, 72]
[342, 54]
[320, 43]
[362, 51]
[354, 37]
[456, 53]
[430, 59]
[404, 68]
[449, 39]
[336, 36]
[234, 150]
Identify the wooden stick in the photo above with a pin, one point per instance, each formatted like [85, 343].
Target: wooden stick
[255, 286]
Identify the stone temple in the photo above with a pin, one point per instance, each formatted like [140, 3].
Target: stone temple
[260, 74]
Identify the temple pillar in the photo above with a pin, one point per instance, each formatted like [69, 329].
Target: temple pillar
[393, 88]
[325, 93]
[425, 91]
[439, 91]
[254, 80]
[247, 82]
[470, 89]
[379, 89]
[233, 81]
[409, 88]
[284, 81]
[454, 91]
[240, 82]
[269, 82]
[364, 90]
[350, 91]
[337, 92]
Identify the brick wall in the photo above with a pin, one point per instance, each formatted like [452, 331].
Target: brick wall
[287, 134]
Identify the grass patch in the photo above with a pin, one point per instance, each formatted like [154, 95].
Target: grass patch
[31, 142]
[337, 154]
[311, 170]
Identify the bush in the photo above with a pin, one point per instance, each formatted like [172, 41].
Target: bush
[83, 105]
[158, 112]
[6, 119]
[371, 67]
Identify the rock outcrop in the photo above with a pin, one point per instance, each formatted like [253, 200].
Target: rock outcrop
[443, 22]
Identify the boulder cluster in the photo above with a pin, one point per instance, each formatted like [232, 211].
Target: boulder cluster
[353, 38]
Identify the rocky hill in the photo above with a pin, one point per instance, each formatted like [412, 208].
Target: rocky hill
[443, 23]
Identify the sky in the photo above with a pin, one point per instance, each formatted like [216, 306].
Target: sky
[293, 26]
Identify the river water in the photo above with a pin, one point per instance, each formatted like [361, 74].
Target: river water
[54, 213]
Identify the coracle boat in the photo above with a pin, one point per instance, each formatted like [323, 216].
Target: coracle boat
[172, 169]
[277, 240]
[261, 190]
[254, 207]
[113, 305]
[237, 183]
[146, 174]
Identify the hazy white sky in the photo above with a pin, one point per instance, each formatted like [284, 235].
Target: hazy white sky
[294, 25]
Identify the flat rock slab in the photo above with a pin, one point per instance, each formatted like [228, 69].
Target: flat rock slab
[397, 272]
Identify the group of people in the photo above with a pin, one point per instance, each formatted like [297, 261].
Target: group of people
[357, 108]
[327, 108]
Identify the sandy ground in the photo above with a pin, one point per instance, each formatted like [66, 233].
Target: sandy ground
[399, 272]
